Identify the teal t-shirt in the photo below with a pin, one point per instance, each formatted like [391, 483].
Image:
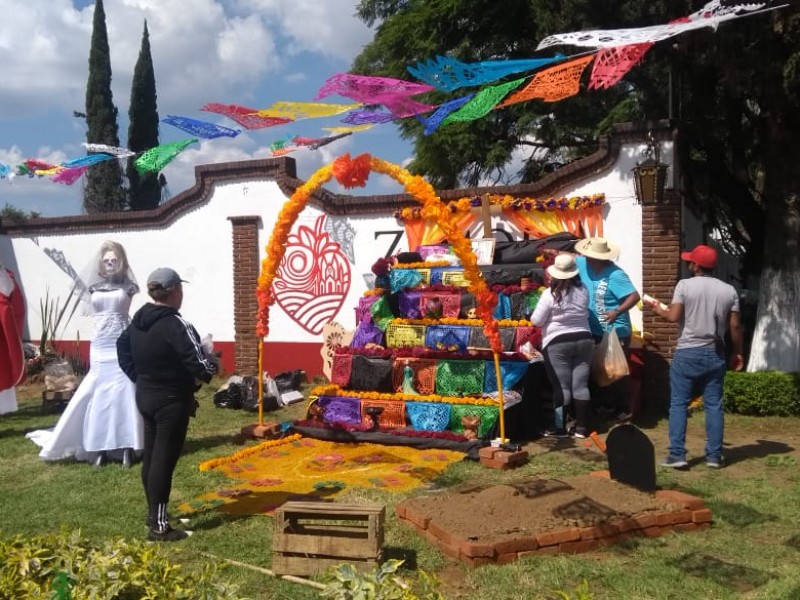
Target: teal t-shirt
[607, 290]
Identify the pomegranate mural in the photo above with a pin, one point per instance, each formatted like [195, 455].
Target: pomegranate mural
[313, 277]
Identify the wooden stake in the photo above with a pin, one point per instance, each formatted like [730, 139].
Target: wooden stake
[486, 216]
[500, 399]
[258, 569]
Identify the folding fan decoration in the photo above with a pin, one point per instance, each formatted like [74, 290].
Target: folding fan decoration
[88, 160]
[369, 90]
[711, 15]
[553, 84]
[157, 158]
[202, 129]
[282, 146]
[47, 172]
[378, 100]
[349, 128]
[483, 102]
[244, 116]
[432, 123]
[611, 64]
[69, 175]
[315, 143]
[717, 8]
[402, 107]
[368, 116]
[34, 165]
[448, 74]
[117, 152]
[306, 110]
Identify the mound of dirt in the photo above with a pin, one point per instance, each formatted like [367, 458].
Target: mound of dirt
[533, 506]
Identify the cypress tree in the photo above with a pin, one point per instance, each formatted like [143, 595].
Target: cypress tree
[103, 191]
[144, 190]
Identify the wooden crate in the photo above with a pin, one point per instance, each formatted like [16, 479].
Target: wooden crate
[311, 537]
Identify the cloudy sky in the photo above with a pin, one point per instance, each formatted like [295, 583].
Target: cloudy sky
[248, 52]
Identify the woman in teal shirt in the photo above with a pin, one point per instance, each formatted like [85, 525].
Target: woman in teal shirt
[611, 296]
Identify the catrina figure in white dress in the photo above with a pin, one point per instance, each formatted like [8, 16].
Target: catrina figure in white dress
[101, 421]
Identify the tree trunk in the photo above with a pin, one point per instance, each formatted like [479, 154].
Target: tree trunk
[776, 339]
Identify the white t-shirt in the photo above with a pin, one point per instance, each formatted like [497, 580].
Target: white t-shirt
[571, 315]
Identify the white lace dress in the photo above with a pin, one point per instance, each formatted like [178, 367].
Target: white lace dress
[102, 414]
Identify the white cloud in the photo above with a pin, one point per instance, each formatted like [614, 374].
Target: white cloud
[246, 52]
[44, 50]
[325, 27]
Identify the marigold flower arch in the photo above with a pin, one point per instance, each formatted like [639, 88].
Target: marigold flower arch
[354, 172]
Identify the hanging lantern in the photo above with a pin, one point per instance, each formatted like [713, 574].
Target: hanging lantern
[650, 175]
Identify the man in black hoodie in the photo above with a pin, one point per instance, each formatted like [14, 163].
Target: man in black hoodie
[162, 354]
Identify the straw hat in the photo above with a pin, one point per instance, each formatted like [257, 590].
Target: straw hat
[599, 248]
[563, 267]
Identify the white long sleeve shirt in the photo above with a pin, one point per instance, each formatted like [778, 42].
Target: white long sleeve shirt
[571, 315]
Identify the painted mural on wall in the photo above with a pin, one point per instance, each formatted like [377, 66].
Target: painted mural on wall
[342, 232]
[313, 278]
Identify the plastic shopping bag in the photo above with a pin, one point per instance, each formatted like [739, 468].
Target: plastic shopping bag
[608, 362]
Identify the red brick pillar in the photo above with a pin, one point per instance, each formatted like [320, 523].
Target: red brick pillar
[245, 280]
[661, 248]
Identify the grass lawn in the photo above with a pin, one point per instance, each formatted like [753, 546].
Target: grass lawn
[751, 551]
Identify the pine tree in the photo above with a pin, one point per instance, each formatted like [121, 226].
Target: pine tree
[103, 191]
[144, 191]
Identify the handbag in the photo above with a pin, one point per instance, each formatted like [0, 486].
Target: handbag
[609, 363]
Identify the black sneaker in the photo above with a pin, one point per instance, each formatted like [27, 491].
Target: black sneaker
[556, 433]
[167, 535]
[170, 518]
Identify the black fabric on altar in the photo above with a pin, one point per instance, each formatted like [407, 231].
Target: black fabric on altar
[511, 274]
[470, 447]
[371, 373]
[526, 251]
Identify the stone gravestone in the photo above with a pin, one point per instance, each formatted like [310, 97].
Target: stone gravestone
[631, 457]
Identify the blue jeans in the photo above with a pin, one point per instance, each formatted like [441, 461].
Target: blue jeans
[693, 371]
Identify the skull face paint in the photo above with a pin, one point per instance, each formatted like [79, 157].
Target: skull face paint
[111, 263]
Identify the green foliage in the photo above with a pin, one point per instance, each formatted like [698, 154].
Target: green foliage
[346, 583]
[547, 134]
[734, 94]
[763, 393]
[581, 593]
[68, 565]
[12, 213]
[144, 191]
[52, 315]
[103, 191]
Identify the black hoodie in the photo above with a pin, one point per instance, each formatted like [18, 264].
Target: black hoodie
[161, 353]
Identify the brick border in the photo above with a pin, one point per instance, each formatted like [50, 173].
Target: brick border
[693, 515]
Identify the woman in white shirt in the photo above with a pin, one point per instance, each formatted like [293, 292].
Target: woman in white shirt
[567, 344]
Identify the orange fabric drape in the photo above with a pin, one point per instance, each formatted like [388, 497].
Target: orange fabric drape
[581, 222]
[534, 223]
[424, 232]
[538, 224]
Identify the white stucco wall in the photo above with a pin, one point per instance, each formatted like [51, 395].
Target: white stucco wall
[198, 246]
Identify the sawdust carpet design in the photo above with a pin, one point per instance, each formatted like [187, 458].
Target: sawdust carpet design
[294, 468]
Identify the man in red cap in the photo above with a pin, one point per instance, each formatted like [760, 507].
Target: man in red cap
[706, 309]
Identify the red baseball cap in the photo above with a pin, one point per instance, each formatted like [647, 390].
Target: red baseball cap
[702, 255]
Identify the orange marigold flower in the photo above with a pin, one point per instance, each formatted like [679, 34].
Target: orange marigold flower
[353, 172]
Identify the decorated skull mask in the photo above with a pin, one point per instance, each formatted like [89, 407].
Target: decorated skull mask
[110, 263]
